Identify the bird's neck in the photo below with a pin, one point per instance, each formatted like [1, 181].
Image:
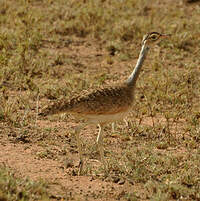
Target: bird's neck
[131, 81]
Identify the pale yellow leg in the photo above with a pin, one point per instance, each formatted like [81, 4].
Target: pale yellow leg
[79, 144]
[113, 127]
[100, 143]
[126, 122]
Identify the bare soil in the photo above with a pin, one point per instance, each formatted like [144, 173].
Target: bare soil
[24, 160]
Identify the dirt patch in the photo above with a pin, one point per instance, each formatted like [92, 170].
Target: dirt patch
[23, 160]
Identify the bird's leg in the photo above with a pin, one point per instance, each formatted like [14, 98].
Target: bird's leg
[100, 143]
[113, 127]
[79, 144]
[126, 122]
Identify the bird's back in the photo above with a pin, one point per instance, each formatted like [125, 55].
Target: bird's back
[110, 101]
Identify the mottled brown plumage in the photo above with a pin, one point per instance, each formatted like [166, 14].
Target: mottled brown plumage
[103, 101]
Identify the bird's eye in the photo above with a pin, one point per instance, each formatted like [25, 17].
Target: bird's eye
[154, 37]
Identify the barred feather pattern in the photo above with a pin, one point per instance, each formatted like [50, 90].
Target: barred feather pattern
[103, 101]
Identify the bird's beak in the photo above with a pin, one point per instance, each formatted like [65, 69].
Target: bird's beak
[165, 35]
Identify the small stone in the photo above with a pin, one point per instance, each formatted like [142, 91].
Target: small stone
[121, 182]
[116, 179]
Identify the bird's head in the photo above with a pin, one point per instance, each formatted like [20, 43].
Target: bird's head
[153, 37]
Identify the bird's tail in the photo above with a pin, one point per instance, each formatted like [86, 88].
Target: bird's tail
[53, 108]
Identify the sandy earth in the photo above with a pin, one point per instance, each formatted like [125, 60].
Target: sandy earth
[24, 160]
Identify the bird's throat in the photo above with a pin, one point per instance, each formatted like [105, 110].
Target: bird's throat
[131, 81]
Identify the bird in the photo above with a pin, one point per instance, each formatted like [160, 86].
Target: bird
[105, 104]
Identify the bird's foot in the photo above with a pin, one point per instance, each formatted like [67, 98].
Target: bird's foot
[80, 168]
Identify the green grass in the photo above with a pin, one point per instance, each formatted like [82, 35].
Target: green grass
[13, 188]
[54, 49]
[166, 176]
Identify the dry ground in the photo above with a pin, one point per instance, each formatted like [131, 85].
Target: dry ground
[54, 49]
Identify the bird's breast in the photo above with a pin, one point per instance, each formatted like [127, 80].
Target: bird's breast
[96, 119]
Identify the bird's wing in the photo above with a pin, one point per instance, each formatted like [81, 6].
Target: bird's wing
[108, 100]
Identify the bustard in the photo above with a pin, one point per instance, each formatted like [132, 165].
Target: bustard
[104, 105]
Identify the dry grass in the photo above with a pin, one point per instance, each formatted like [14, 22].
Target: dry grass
[54, 49]
[13, 188]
